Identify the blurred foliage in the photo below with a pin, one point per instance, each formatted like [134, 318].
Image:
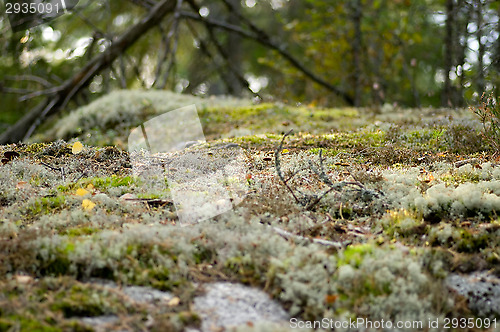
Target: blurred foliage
[399, 61]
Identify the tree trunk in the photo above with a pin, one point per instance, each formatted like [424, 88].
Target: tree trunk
[447, 98]
[58, 97]
[461, 38]
[233, 49]
[357, 14]
[496, 61]
[481, 52]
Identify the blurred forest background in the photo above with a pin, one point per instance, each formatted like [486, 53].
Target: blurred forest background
[366, 53]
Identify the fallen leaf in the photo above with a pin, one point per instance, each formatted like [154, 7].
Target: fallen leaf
[77, 147]
[81, 192]
[21, 184]
[87, 204]
[331, 298]
[22, 279]
[90, 186]
[285, 151]
[174, 302]
[128, 196]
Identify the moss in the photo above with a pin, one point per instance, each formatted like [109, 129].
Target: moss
[82, 301]
[403, 223]
[245, 269]
[25, 324]
[47, 205]
[353, 255]
[81, 231]
[57, 266]
[103, 183]
[100, 183]
[455, 178]
[472, 242]
[254, 139]
[35, 148]
[135, 244]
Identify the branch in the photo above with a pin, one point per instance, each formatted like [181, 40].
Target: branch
[209, 55]
[223, 53]
[287, 235]
[336, 186]
[32, 78]
[64, 93]
[168, 50]
[265, 40]
[277, 163]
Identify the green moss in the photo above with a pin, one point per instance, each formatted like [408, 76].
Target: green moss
[254, 139]
[331, 114]
[46, 205]
[24, 323]
[114, 181]
[100, 183]
[245, 269]
[35, 148]
[57, 266]
[202, 255]
[353, 255]
[81, 231]
[84, 301]
[403, 223]
[189, 318]
[472, 242]
[455, 178]
[150, 196]
[161, 278]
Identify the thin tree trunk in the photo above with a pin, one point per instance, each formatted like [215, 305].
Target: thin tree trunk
[481, 51]
[357, 12]
[233, 48]
[447, 98]
[497, 56]
[461, 38]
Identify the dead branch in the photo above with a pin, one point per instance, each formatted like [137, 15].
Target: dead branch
[310, 201]
[31, 78]
[464, 162]
[64, 93]
[204, 48]
[369, 194]
[223, 53]
[287, 235]
[264, 39]
[277, 163]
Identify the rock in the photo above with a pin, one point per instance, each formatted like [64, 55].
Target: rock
[227, 305]
[481, 289]
[146, 294]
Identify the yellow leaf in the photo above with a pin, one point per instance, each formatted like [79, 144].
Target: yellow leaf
[90, 186]
[81, 192]
[174, 302]
[77, 147]
[285, 151]
[87, 204]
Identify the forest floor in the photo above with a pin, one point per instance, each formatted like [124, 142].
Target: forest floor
[383, 214]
